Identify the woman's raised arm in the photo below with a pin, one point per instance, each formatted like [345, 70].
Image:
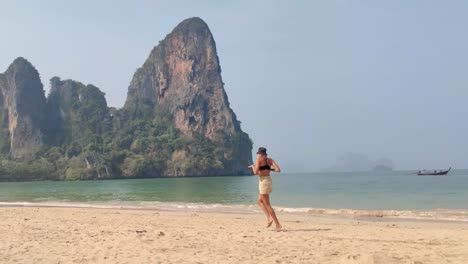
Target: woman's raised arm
[275, 166]
[255, 167]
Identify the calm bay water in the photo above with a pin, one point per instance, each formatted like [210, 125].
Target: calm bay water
[368, 191]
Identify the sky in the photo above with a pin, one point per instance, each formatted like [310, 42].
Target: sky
[309, 80]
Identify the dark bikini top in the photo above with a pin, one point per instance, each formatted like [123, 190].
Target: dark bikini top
[265, 167]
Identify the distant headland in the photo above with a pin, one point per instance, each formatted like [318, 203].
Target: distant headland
[350, 162]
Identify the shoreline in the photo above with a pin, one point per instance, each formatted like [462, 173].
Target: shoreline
[97, 235]
[436, 215]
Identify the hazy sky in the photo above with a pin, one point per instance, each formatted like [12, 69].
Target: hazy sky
[310, 80]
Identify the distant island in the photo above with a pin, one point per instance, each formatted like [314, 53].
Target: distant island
[350, 162]
[176, 120]
[381, 168]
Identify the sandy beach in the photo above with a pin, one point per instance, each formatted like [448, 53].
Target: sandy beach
[84, 235]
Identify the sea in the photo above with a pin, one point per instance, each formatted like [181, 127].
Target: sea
[395, 194]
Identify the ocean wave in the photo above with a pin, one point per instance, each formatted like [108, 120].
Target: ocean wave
[460, 215]
[165, 206]
[435, 214]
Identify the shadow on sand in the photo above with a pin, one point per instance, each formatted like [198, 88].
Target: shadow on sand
[307, 230]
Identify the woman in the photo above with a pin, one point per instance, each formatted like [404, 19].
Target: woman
[262, 168]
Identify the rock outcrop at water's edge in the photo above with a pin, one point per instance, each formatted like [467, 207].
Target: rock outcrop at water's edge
[181, 80]
[176, 120]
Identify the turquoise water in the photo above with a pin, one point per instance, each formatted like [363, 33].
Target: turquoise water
[364, 191]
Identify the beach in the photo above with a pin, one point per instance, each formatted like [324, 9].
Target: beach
[91, 235]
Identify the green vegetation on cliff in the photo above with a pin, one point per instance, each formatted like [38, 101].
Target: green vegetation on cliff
[84, 139]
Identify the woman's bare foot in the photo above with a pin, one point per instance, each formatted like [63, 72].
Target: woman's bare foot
[278, 228]
[270, 221]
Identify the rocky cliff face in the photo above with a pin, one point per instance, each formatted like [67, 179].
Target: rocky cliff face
[181, 80]
[22, 109]
[4, 127]
[176, 120]
[76, 112]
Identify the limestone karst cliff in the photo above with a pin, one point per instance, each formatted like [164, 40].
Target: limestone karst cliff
[176, 120]
[22, 108]
[181, 79]
[76, 111]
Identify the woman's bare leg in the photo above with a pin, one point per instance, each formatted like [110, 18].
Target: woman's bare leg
[266, 203]
[262, 205]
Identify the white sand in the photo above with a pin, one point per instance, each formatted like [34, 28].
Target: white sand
[77, 235]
